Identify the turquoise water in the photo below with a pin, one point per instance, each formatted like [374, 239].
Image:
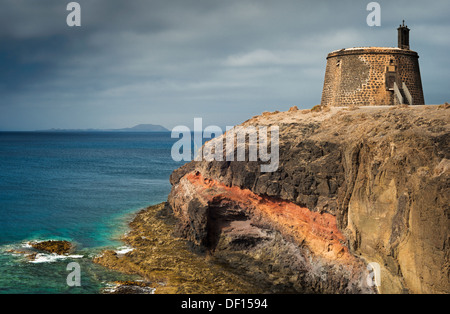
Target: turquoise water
[82, 187]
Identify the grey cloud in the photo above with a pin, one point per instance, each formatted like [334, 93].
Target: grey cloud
[165, 61]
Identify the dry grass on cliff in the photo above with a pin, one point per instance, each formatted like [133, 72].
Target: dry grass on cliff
[320, 114]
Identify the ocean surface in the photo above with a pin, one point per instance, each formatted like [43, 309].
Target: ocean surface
[82, 187]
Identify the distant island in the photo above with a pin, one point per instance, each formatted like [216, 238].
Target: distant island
[137, 128]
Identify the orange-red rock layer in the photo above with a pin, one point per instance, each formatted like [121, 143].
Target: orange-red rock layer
[317, 231]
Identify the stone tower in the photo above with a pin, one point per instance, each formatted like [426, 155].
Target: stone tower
[374, 76]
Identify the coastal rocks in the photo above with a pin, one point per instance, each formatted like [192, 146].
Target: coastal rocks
[53, 246]
[45, 251]
[354, 186]
[167, 263]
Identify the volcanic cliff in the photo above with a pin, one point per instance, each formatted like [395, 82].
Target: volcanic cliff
[354, 186]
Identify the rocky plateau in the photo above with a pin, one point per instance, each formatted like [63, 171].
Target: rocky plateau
[354, 186]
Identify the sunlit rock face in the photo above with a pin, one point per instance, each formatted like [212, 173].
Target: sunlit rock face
[354, 186]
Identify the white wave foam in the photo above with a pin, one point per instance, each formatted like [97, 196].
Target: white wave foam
[26, 245]
[113, 288]
[50, 258]
[123, 250]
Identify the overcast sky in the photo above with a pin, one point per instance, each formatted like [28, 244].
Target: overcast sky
[166, 62]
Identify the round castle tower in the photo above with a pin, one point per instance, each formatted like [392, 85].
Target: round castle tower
[374, 76]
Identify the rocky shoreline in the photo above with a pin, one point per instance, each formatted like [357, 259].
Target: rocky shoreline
[354, 186]
[168, 263]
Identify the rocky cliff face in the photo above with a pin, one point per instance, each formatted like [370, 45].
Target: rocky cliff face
[353, 186]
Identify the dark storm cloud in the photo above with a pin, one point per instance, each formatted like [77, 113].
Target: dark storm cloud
[168, 61]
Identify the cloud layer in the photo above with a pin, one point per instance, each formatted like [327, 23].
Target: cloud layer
[166, 62]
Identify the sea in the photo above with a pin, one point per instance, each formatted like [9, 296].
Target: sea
[83, 187]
